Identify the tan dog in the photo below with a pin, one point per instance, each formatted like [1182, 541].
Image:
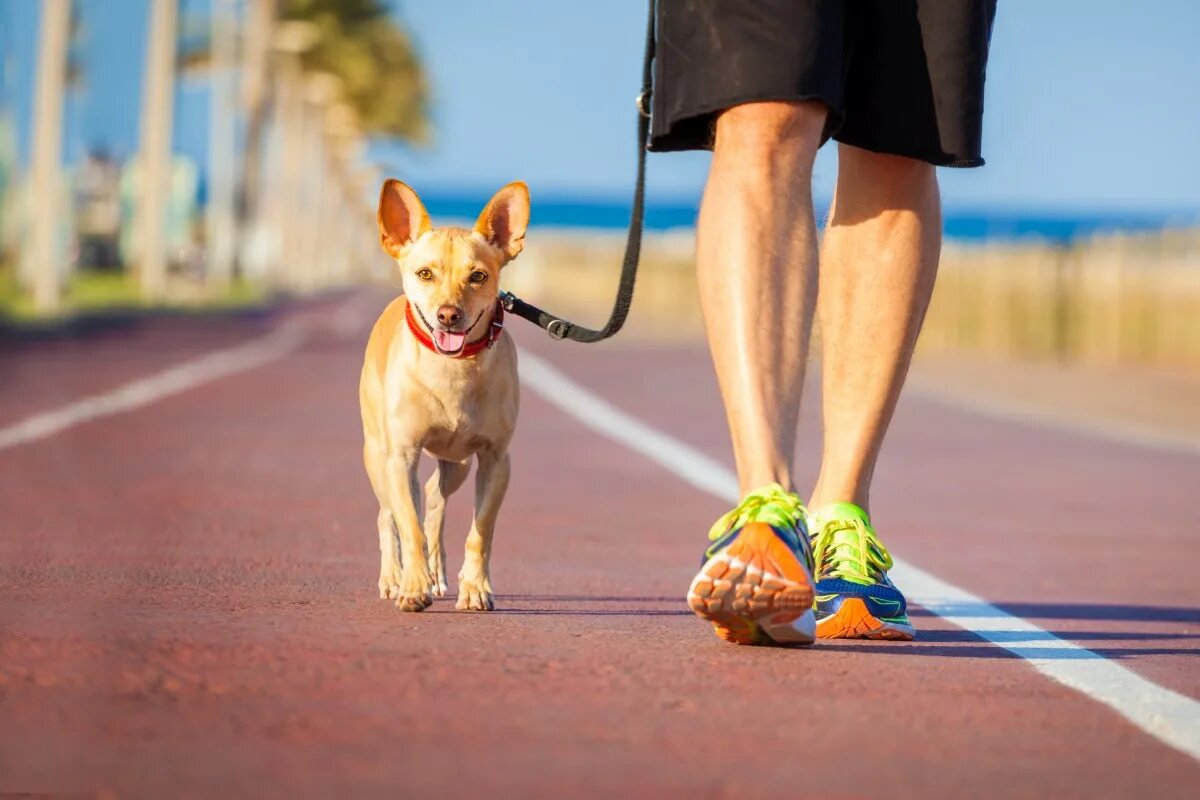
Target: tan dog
[440, 378]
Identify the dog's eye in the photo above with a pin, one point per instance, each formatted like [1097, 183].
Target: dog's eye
[478, 277]
[425, 274]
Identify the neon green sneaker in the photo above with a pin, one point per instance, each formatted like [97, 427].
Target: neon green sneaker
[855, 599]
[755, 583]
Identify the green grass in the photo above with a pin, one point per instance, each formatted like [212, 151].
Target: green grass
[90, 292]
[9, 291]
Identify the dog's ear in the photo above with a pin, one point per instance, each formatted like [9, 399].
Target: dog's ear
[402, 218]
[504, 220]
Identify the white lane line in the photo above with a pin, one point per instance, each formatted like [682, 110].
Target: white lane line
[144, 391]
[1168, 716]
[344, 320]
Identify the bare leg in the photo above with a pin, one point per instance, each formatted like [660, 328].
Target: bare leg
[756, 268]
[878, 264]
[474, 582]
[444, 482]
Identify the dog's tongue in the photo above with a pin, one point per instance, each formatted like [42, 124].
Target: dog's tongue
[449, 342]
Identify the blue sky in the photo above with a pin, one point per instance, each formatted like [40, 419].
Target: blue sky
[1091, 105]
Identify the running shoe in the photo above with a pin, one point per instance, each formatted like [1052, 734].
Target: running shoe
[755, 584]
[855, 599]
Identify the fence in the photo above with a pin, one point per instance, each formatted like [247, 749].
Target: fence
[1127, 298]
[1114, 299]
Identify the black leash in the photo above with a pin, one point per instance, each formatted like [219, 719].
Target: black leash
[559, 328]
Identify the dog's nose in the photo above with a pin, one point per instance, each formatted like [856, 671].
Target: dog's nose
[449, 315]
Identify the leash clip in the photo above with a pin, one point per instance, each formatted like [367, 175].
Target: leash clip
[506, 300]
[643, 103]
[558, 328]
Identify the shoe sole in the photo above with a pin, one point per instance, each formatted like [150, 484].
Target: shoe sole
[755, 591]
[854, 621]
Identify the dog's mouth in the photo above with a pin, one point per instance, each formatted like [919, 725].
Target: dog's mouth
[448, 342]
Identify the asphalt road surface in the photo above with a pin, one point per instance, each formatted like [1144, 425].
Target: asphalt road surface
[188, 601]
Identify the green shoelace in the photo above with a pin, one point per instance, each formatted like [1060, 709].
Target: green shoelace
[847, 548]
[771, 504]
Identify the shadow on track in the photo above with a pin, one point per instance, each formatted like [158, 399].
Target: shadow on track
[1084, 611]
[1029, 645]
[585, 598]
[984, 650]
[933, 643]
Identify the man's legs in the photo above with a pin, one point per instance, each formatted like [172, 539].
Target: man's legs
[878, 263]
[756, 268]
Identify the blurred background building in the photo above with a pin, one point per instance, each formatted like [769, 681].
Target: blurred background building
[182, 152]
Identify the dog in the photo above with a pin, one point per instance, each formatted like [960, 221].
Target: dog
[439, 377]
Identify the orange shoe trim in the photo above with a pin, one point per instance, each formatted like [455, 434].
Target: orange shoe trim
[754, 590]
[854, 621]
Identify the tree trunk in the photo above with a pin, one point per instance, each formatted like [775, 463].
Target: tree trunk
[256, 98]
[155, 147]
[42, 255]
[221, 239]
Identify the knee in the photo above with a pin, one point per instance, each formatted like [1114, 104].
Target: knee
[770, 131]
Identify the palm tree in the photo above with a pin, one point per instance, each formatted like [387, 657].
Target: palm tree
[358, 41]
[361, 43]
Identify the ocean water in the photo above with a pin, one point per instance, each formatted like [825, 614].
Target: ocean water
[973, 225]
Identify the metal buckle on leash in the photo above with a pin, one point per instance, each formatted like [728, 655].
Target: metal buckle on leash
[506, 300]
[643, 103]
[558, 328]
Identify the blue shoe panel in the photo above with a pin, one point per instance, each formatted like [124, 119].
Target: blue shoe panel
[883, 600]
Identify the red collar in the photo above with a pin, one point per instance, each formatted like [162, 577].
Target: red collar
[495, 328]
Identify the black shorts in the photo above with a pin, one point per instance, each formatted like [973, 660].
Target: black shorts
[898, 76]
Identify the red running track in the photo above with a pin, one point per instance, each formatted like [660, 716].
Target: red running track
[188, 604]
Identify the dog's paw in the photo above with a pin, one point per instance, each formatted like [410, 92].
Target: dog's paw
[437, 577]
[415, 592]
[437, 574]
[414, 602]
[389, 585]
[474, 596]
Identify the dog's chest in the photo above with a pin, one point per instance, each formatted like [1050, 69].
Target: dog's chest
[456, 428]
[453, 419]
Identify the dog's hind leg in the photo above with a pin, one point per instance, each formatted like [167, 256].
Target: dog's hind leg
[474, 582]
[445, 481]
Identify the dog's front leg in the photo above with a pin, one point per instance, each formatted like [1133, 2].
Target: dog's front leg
[444, 482]
[491, 482]
[404, 492]
[389, 556]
